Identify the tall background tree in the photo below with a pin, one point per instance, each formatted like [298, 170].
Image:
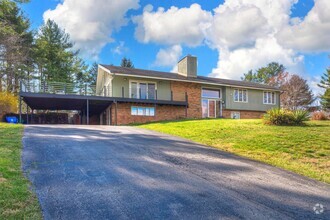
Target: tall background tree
[126, 63]
[55, 58]
[15, 46]
[92, 74]
[88, 77]
[49, 55]
[325, 84]
[265, 74]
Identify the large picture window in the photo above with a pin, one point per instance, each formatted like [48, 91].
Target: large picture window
[240, 95]
[142, 90]
[143, 111]
[134, 90]
[211, 93]
[269, 98]
[151, 91]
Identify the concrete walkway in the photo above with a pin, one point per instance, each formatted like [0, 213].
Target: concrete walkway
[101, 172]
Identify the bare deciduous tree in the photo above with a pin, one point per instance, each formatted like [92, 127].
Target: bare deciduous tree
[279, 79]
[296, 93]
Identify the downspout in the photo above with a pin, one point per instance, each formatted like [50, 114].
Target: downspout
[186, 103]
[221, 103]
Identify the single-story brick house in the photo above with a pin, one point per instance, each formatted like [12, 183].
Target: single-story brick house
[144, 95]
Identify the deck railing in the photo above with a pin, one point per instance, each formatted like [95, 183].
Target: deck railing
[57, 88]
[84, 89]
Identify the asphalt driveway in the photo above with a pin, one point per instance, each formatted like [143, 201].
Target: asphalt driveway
[101, 172]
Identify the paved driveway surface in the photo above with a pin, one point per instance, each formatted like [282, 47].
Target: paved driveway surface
[99, 172]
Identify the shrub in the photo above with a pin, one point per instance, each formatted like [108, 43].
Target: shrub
[8, 103]
[278, 116]
[299, 116]
[319, 115]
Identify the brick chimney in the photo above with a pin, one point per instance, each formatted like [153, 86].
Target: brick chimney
[187, 66]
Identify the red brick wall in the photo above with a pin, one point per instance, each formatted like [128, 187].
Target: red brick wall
[94, 120]
[243, 114]
[193, 91]
[166, 112]
[162, 112]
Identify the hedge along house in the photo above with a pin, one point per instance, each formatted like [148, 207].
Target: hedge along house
[145, 96]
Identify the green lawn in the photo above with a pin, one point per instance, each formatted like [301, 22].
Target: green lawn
[16, 200]
[304, 150]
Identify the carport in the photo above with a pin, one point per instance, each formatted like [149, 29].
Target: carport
[83, 98]
[87, 105]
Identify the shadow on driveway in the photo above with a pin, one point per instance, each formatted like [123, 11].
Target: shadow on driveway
[102, 172]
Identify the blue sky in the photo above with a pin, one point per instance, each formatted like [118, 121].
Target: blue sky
[229, 37]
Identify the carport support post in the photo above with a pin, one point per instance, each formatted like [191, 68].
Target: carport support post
[27, 114]
[20, 109]
[87, 113]
[31, 116]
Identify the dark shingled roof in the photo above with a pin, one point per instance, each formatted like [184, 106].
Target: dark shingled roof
[175, 76]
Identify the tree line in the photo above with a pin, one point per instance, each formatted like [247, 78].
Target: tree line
[48, 54]
[295, 91]
[44, 54]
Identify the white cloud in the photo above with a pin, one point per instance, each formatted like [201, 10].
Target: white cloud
[91, 23]
[169, 56]
[243, 31]
[311, 34]
[174, 26]
[313, 83]
[277, 13]
[174, 69]
[237, 32]
[247, 34]
[249, 42]
[233, 63]
[120, 48]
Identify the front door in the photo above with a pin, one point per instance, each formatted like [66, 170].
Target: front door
[212, 107]
[209, 108]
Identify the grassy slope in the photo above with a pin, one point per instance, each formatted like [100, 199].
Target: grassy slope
[304, 150]
[16, 200]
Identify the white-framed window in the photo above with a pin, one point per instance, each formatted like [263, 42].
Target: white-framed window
[211, 93]
[240, 95]
[143, 111]
[142, 90]
[269, 98]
